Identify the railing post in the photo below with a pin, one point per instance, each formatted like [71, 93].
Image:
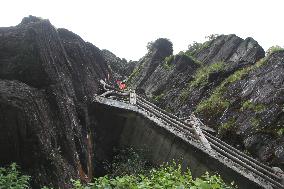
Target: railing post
[132, 97]
[194, 121]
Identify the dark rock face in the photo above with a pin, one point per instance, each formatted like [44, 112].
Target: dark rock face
[157, 52]
[47, 78]
[230, 48]
[230, 85]
[120, 68]
[257, 113]
[229, 52]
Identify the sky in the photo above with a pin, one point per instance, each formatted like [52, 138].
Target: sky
[126, 26]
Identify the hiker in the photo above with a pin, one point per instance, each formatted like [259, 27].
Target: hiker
[122, 85]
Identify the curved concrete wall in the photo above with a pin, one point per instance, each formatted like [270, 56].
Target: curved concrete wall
[116, 126]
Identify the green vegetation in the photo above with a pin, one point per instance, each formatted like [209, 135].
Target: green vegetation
[255, 122]
[11, 178]
[196, 47]
[169, 59]
[159, 97]
[169, 109]
[128, 162]
[130, 170]
[133, 74]
[212, 36]
[227, 126]
[217, 103]
[165, 176]
[201, 78]
[202, 75]
[280, 132]
[168, 62]
[248, 105]
[274, 49]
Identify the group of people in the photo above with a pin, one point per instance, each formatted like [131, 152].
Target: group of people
[121, 84]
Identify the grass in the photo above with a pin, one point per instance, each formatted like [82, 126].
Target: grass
[196, 47]
[167, 64]
[248, 105]
[216, 104]
[280, 132]
[255, 122]
[201, 78]
[274, 49]
[133, 74]
[202, 75]
[169, 59]
[159, 97]
[227, 126]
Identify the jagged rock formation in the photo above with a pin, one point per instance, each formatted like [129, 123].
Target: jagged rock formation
[120, 68]
[47, 79]
[229, 84]
[158, 50]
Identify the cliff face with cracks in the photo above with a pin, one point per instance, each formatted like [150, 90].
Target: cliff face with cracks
[120, 68]
[47, 79]
[229, 83]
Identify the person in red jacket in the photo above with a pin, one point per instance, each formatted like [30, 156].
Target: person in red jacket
[121, 84]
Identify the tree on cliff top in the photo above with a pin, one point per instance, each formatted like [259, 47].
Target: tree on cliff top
[161, 44]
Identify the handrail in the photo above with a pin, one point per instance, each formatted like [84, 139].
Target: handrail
[231, 149]
[208, 140]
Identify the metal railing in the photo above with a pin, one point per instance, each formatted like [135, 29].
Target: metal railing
[210, 142]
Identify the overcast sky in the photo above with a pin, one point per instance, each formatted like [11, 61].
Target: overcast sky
[126, 26]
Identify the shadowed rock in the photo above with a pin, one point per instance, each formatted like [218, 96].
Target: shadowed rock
[47, 78]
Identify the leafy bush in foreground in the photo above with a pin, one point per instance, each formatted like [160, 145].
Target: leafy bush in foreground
[11, 178]
[166, 176]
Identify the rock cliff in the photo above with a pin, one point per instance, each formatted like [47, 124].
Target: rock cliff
[229, 83]
[47, 79]
[120, 68]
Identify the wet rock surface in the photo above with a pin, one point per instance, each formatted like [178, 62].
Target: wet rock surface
[47, 78]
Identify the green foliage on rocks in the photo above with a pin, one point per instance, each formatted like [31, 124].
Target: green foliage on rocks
[202, 75]
[201, 78]
[196, 47]
[167, 64]
[216, 104]
[227, 126]
[249, 105]
[159, 97]
[255, 122]
[133, 74]
[274, 49]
